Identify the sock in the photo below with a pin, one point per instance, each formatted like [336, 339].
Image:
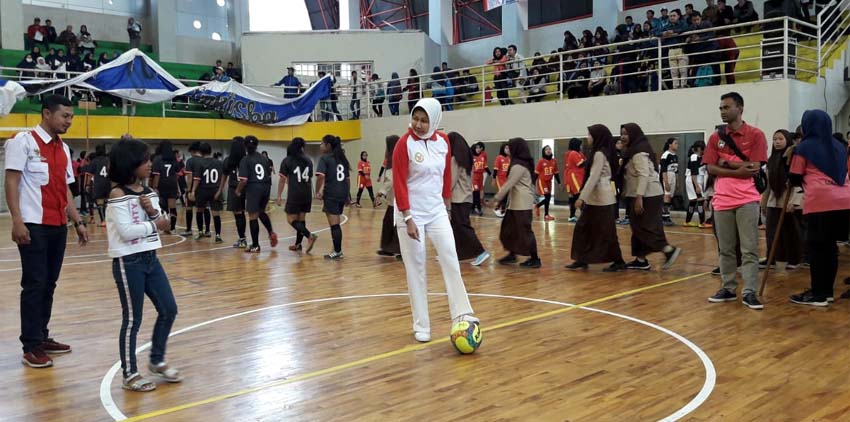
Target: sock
[371, 193]
[690, 213]
[199, 216]
[701, 212]
[173, 213]
[546, 203]
[101, 213]
[255, 232]
[264, 218]
[476, 200]
[298, 236]
[240, 225]
[359, 194]
[572, 201]
[217, 222]
[189, 219]
[302, 228]
[207, 220]
[336, 234]
[665, 211]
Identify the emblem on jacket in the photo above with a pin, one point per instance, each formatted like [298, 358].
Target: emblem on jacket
[419, 157]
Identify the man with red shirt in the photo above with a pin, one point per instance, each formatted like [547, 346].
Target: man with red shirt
[36, 34]
[736, 199]
[38, 171]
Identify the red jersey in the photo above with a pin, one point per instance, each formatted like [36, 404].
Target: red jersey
[573, 171]
[364, 174]
[546, 170]
[479, 167]
[502, 164]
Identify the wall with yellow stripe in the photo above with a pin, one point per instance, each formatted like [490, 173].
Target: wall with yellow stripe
[112, 127]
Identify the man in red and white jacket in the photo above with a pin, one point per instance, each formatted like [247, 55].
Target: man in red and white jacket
[422, 183]
[38, 171]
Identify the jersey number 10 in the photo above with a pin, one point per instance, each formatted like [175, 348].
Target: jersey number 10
[211, 176]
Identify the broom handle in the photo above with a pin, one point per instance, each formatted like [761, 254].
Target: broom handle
[772, 252]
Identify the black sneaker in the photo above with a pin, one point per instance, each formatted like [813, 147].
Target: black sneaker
[615, 267]
[531, 263]
[576, 266]
[751, 301]
[763, 264]
[334, 256]
[385, 253]
[671, 257]
[716, 271]
[207, 234]
[508, 259]
[639, 265]
[253, 249]
[218, 238]
[809, 298]
[723, 295]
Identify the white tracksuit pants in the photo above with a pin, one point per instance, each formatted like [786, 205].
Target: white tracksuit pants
[413, 254]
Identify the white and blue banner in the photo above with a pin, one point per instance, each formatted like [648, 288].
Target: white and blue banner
[10, 93]
[243, 103]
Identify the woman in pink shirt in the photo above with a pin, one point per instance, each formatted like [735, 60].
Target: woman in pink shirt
[820, 166]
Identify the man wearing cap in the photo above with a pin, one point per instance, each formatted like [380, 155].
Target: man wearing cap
[290, 83]
[220, 75]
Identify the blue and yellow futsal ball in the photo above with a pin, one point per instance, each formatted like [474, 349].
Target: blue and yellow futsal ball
[466, 336]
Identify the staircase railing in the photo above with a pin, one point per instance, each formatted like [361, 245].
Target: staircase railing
[833, 21]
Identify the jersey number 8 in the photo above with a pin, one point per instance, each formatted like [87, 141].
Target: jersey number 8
[340, 173]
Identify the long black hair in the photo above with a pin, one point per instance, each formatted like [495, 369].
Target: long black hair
[391, 141]
[502, 150]
[251, 144]
[100, 150]
[166, 152]
[777, 170]
[124, 158]
[336, 150]
[668, 143]
[477, 144]
[575, 145]
[237, 152]
[543, 153]
[520, 155]
[460, 151]
[603, 142]
[296, 151]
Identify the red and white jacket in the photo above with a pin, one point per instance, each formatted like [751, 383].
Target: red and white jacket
[422, 177]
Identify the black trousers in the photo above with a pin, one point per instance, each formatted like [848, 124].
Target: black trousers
[41, 262]
[825, 228]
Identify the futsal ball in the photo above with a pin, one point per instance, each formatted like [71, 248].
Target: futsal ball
[466, 337]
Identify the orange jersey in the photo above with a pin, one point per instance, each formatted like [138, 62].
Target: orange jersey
[573, 171]
[546, 170]
[502, 165]
[364, 174]
[479, 167]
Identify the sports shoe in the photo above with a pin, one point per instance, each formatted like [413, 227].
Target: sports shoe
[716, 271]
[706, 225]
[723, 295]
[253, 249]
[54, 347]
[667, 222]
[198, 236]
[422, 336]
[751, 301]
[103, 224]
[671, 257]
[311, 242]
[624, 221]
[508, 259]
[466, 317]
[37, 358]
[334, 256]
[186, 233]
[809, 298]
[576, 266]
[573, 220]
[207, 234]
[790, 266]
[273, 239]
[385, 253]
[499, 212]
[830, 299]
[763, 264]
[240, 244]
[165, 372]
[615, 267]
[356, 205]
[691, 224]
[638, 265]
[531, 263]
[549, 218]
[295, 248]
[218, 239]
[481, 258]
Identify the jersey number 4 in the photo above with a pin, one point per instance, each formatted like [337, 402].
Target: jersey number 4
[103, 172]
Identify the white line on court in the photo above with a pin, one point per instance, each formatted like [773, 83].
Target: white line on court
[708, 386]
[182, 239]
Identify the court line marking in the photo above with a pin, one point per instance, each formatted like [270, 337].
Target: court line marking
[343, 221]
[710, 373]
[182, 239]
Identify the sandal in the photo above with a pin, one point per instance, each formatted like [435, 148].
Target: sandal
[166, 373]
[136, 382]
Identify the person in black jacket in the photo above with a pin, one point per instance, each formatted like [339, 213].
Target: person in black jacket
[394, 93]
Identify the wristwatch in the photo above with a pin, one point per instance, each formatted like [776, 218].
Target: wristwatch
[79, 223]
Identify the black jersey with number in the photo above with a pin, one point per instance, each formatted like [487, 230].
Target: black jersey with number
[209, 172]
[254, 168]
[99, 169]
[167, 171]
[336, 178]
[299, 174]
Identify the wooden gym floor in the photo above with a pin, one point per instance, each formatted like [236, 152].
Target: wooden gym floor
[283, 336]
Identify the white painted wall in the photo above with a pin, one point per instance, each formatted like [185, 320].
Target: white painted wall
[203, 51]
[102, 26]
[265, 55]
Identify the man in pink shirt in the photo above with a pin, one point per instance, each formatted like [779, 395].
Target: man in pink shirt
[736, 199]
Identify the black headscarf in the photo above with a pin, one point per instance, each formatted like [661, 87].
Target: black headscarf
[603, 142]
[391, 141]
[520, 155]
[460, 151]
[638, 143]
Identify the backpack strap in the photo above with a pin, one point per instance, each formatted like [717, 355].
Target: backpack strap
[721, 132]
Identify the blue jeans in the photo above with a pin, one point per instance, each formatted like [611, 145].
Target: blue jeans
[138, 275]
[41, 262]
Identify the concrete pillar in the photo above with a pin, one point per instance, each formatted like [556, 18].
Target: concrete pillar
[164, 21]
[441, 25]
[12, 25]
[238, 19]
[515, 26]
[349, 14]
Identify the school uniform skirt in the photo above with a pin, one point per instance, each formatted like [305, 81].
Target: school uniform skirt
[466, 241]
[790, 246]
[647, 228]
[389, 235]
[595, 236]
[516, 234]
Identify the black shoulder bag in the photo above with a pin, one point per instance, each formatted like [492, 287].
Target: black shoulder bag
[760, 179]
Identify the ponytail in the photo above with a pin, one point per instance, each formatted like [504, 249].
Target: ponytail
[336, 150]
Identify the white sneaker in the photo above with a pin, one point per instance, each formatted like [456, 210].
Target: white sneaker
[481, 258]
[422, 336]
[499, 212]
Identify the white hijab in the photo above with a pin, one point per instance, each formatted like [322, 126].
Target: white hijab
[434, 110]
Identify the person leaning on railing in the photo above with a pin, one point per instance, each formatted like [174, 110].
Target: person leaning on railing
[675, 53]
[412, 89]
[500, 76]
[702, 49]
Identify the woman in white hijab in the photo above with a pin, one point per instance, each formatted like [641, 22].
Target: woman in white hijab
[422, 186]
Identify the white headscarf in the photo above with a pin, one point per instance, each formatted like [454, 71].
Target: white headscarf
[434, 110]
